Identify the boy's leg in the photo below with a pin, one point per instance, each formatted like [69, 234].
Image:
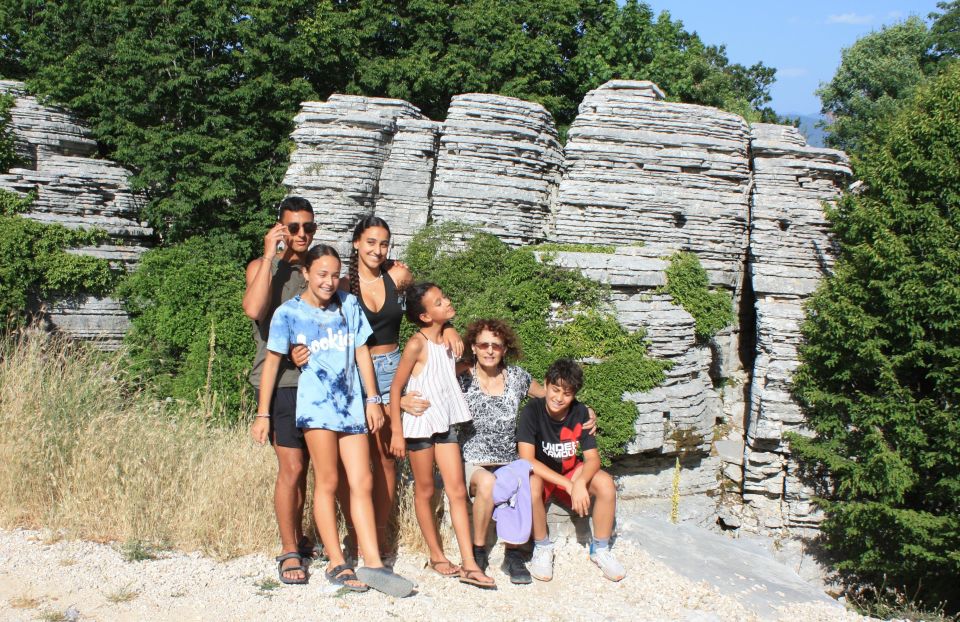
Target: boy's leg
[292, 463]
[604, 491]
[539, 525]
[541, 564]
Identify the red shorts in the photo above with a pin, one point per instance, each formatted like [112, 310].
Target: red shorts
[558, 494]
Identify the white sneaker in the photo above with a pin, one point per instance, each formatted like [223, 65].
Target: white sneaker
[541, 564]
[612, 569]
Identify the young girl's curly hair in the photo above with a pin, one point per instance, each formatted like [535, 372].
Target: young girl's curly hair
[511, 344]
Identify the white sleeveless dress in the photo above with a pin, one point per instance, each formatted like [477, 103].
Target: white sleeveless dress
[436, 382]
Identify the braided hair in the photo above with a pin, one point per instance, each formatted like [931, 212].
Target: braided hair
[354, 270]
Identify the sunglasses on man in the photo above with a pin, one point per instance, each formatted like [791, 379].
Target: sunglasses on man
[308, 227]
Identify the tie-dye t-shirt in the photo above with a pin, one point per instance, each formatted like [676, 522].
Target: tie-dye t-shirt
[329, 394]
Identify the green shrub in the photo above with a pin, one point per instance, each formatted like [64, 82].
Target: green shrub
[190, 337]
[689, 287]
[34, 264]
[554, 247]
[555, 312]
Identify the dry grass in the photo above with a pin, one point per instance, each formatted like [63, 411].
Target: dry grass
[80, 452]
[83, 455]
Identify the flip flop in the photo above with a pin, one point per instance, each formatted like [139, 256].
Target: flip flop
[386, 581]
[475, 578]
[339, 575]
[454, 570]
[299, 567]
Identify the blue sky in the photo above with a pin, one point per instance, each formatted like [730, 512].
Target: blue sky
[802, 40]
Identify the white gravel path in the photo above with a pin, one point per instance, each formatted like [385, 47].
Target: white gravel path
[40, 580]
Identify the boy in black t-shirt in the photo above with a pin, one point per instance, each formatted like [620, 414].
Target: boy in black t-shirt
[566, 467]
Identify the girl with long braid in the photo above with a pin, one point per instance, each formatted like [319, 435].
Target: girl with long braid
[378, 284]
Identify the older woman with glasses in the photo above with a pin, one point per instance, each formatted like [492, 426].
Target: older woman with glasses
[493, 390]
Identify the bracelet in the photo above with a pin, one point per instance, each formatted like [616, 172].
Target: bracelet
[259, 415]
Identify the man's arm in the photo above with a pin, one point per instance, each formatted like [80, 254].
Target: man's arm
[256, 298]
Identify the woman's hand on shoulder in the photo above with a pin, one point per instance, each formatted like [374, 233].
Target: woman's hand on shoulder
[591, 424]
[413, 403]
[536, 389]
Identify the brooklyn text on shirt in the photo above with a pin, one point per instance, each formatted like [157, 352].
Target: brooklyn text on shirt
[339, 341]
[559, 450]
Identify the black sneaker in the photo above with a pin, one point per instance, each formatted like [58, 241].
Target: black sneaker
[480, 556]
[513, 565]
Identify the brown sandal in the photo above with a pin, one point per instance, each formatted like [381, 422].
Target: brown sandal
[475, 578]
[453, 569]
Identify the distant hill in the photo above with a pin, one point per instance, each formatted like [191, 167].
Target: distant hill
[808, 127]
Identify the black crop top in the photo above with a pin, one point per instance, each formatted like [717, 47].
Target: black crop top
[385, 322]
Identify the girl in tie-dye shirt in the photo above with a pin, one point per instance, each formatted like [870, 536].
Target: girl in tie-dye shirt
[332, 410]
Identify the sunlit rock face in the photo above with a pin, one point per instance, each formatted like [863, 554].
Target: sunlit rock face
[74, 188]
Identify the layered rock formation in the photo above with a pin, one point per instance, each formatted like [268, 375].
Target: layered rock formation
[790, 251]
[498, 167]
[356, 155]
[651, 178]
[75, 189]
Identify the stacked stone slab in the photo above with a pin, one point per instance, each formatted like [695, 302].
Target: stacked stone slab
[671, 175]
[790, 252]
[498, 167]
[685, 402]
[362, 155]
[74, 189]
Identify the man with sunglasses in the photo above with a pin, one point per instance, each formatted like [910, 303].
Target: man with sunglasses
[272, 280]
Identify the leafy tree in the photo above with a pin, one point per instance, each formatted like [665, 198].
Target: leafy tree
[190, 338]
[880, 374]
[197, 97]
[489, 279]
[876, 74]
[880, 71]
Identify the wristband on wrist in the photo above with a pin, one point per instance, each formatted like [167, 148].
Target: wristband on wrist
[262, 415]
[374, 399]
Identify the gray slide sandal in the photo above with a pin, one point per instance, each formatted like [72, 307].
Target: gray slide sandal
[386, 581]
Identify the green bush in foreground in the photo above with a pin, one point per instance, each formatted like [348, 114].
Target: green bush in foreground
[880, 374]
[689, 287]
[190, 337]
[34, 264]
[555, 312]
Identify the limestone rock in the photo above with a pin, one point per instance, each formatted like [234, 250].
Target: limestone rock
[75, 189]
[361, 155]
[498, 166]
[790, 251]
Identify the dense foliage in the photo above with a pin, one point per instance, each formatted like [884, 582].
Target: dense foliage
[190, 337]
[880, 379]
[8, 154]
[688, 285]
[880, 72]
[197, 97]
[556, 312]
[35, 265]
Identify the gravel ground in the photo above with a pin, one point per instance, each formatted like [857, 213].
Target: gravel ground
[42, 579]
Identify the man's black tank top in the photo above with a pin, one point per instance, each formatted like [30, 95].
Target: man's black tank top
[385, 323]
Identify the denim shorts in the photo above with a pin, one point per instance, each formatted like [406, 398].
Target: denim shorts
[385, 368]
